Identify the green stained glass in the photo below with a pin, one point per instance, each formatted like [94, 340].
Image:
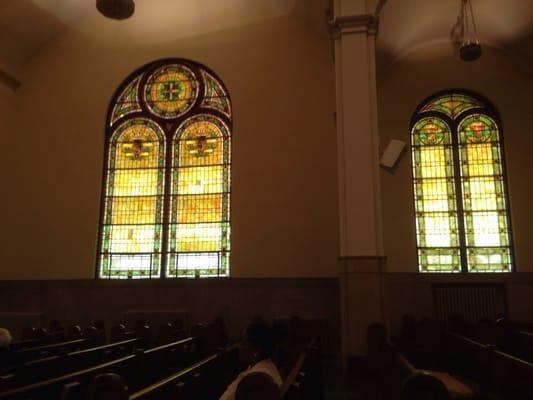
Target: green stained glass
[133, 211]
[127, 102]
[199, 240]
[484, 199]
[171, 91]
[215, 96]
[451, 105]
[150, 229]
[435, 205]
[462, 217]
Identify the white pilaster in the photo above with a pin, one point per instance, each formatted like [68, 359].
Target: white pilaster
[361, 261]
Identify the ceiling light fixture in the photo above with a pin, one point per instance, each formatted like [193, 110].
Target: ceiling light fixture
[465, 31]
[116, 9]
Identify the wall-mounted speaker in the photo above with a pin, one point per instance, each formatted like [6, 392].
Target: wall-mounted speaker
[392, 153]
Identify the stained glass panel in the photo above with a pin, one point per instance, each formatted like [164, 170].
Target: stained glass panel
[435, 205]
[452, 104]
[214, 95]
[150, 229]
[133, 204]
[127, 102]
[484, 199]
[171, 91]
[200, 230]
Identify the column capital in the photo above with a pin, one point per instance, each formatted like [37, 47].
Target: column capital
[353, 24]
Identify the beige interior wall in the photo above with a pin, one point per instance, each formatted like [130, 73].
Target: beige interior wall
[280, 76]
[406, 83]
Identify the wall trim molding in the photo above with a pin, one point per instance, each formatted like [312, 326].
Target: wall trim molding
[353, 24]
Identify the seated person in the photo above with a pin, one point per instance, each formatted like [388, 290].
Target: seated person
[6, 355]
[257, 349]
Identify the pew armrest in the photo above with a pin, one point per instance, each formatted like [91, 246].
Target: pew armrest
[456, 388]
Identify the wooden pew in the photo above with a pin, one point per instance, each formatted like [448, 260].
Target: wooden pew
[57, 348]
[397, 378]
[52, 388]
[57, 365]
[511, 377]
[304, 380]
[38, 337]
[521, 345]
[137, 367]
[469, 359]
[206, 378]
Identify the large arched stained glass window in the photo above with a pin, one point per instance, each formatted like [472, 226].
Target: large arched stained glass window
[462, 217]
[166, 195]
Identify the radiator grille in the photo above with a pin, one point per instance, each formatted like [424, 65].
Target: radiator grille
[471, 301]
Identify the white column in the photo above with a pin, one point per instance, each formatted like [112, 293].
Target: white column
[361, 258]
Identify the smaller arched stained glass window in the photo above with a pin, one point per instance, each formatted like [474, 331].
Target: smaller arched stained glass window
[200, 230]
[484, 200]
[462, 217]
[436, 211]
[166, 200]
[133, 205]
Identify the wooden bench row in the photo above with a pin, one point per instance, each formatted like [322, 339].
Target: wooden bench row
[142, 368]
[469, 369]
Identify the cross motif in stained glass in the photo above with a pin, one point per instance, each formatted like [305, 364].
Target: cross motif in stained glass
[135, 241]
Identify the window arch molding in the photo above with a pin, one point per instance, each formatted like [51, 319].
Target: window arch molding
[166, 94]
[462, 213]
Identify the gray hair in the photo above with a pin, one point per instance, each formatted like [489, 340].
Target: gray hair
[5, 337]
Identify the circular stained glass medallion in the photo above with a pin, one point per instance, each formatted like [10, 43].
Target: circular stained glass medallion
[171, 91]
[477, 129]
[430, 131]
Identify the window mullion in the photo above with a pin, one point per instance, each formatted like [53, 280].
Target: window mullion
[457, 179]
[166, 205]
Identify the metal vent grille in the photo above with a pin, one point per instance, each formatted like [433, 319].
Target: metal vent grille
[470, 301]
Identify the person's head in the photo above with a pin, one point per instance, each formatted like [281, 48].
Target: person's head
[5, 338]
[259, 342]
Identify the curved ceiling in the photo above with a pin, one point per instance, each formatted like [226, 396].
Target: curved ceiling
[157, 21]
[408, 25]
[28, 25]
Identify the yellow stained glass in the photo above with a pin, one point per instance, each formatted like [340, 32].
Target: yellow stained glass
[135, 182]
[437, 228]
[138, 147]
[485, 228]
[200, 180]
[199, 208]
[132, 238]
[199, 237]
[432, 160]
[134, 210]
[480, 162]
[200, 144]
[192, 213]
[482, 193]
[436, 216]
[435, 195]
[171, 91]
[481, 242]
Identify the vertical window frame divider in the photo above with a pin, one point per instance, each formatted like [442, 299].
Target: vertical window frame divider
[453, 123]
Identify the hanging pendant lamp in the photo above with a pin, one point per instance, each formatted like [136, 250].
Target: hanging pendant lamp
[116, 9]
[470, 48]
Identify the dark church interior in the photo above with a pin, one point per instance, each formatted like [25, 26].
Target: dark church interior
[266, 200]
